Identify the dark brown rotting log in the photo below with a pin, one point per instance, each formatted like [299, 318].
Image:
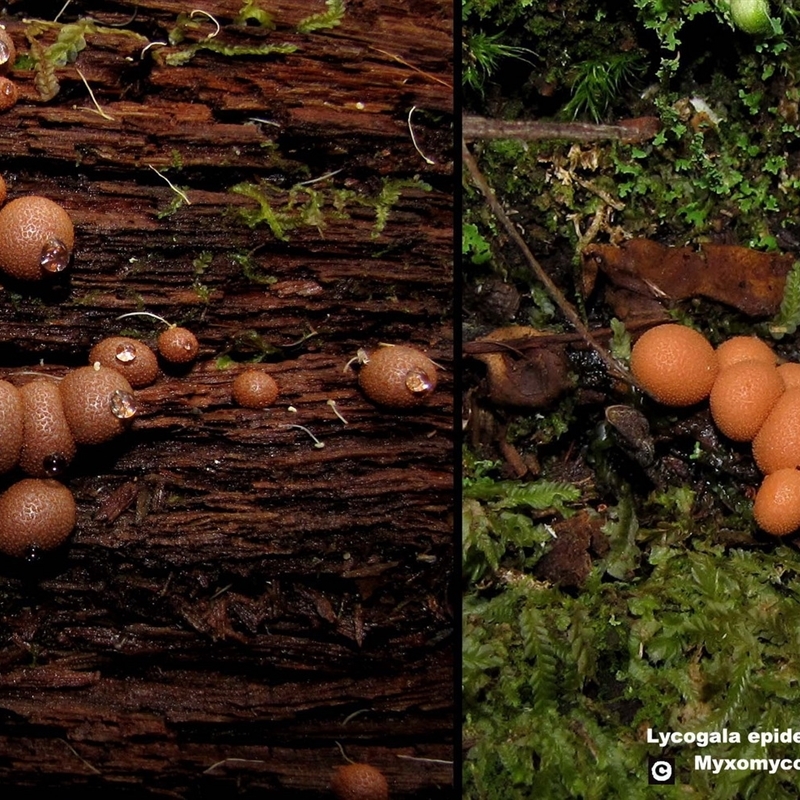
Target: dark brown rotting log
[235, 601]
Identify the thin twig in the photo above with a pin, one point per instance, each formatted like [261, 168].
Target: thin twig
[63, 9]
[172, 186]
[317, 443]
[321, 178]
[70, 747]
[427, 760]
[613, 366]
[414, 138]
[344, 755]
[411, 66]
[633, 130]
[232, 761]
[197, 11]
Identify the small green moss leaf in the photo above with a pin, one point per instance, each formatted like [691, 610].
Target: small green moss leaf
[180, 57]
[788, 317]
[325, 20]
[251, 12]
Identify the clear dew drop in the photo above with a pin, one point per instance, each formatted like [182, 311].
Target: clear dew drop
[5, 53]
[54, 464]
[418, 382]
[126, 353]
[122, 404]
[55, 256]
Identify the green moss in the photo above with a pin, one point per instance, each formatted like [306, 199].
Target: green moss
[304, 205]
[264, 213]
[324, 20]
[252, 12]
[185, 55]
[251, 270]
[788, 317]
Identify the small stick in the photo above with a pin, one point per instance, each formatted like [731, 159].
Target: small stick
[317, 443]
[414, 138]
[428, 760]
[344, 755]
[146, 314]
[634, 130]
[206, 14]
[232, 760]
[613, 366]
[354, 715]
[55, 19]
[172, 186]
[152, 44]
[321, 178]
[96, 108]
[411, 66]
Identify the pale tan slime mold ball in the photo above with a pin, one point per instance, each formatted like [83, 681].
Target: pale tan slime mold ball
[254, 388]
[48, 447]
[98, 403]
[397, 377]
[36, 238]
[359, 782]
[674, 364]
[35, 515]
[130, 357]
[11, 422]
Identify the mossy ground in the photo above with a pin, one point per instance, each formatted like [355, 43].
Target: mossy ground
[689, 621]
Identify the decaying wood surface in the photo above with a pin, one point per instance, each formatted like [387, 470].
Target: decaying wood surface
[236, 601]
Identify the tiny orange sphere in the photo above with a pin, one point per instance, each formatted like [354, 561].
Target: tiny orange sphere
[359, 782]
[11, 422]
[178, 345]
[742, 396]
[48, 446]
[744, 348]
[9, 94]
[777, 504]
[674, 364]
[777, 443]
[254, 388]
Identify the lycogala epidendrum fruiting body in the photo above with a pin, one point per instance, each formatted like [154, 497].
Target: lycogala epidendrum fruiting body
[35, 515]
[674, 364]
[36, 238]
[397, 376]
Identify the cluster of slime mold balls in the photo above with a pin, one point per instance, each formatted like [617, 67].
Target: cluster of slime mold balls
[44, 420]
[752, 398]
